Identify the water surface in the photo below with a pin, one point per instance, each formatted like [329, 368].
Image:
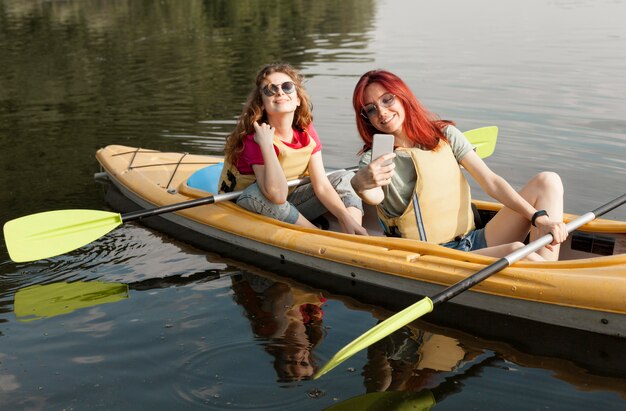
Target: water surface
[191, 330]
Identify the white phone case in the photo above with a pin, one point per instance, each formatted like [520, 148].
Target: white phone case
[383, 144]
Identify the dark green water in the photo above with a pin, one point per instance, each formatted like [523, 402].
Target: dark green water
[195, 331]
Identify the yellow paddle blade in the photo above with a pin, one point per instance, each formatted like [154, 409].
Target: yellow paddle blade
[43, 235]
[484, 139]
[43, 301]
[391, 324]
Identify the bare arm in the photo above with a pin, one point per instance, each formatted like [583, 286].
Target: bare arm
[495, 186]
[327, 195]
[499, 189]
[270, 176]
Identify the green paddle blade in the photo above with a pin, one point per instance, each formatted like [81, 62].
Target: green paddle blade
[484, 139]
[44, 301]
[391, 324]
[43, 235]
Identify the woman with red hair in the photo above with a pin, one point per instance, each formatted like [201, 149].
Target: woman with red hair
[420, 191]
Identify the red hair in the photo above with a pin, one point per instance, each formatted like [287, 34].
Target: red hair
[420, 126]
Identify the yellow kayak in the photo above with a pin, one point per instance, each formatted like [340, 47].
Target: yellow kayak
[586, 290]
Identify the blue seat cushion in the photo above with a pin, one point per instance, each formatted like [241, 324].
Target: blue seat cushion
[206, 178]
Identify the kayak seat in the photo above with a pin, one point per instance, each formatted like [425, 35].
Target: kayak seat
[206, 178]
[321, 222]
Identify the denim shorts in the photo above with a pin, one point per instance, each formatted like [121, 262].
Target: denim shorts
[301, 200]
[474, 240]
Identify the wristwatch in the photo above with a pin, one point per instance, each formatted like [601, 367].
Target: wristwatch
[538, 214]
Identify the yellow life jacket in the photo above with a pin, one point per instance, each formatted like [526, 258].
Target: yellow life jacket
[441, 206]
[294, 163]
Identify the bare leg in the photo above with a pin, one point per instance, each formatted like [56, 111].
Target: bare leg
[544, 192]
[506, 249]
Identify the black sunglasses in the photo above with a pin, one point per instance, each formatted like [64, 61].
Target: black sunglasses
[270, 89]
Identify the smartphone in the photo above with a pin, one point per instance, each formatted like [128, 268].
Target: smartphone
[383, 144]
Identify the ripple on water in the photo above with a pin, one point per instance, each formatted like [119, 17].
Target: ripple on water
[217, 376]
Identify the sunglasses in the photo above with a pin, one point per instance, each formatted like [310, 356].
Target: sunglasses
[369, 110]
[270, 89]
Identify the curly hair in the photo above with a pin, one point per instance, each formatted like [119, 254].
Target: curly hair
[253, 109]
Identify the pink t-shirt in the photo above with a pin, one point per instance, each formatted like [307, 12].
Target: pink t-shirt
[251, 153]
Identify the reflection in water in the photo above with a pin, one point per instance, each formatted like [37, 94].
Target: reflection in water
[171, 75]
[388, 401]
[422, 399]
[44, 301]
[411, 359]
[412, 366]
[288, 319]
[38, 301]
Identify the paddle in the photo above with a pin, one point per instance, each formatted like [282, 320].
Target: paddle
[484, 139]
[427, 304]
[51, 233]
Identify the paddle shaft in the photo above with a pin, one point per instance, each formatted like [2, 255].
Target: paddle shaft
[138, 215]
[517, 255]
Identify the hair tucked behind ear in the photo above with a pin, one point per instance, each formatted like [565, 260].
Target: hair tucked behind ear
[253, 109]
[421, 126]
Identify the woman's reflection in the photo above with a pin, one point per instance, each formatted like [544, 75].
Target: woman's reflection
[287, 318]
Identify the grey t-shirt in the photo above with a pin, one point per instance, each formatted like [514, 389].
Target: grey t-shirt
[399, 192]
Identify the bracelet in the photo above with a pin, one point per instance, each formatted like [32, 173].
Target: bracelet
[538, 214]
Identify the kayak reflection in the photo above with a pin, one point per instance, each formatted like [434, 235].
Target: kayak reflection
[287, 319]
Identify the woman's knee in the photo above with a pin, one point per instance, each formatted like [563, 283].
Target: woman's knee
[341, 182]
[252, 199]
[549, 181]
[516, 245]
[253, 203]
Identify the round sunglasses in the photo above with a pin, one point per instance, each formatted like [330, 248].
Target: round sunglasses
[386, 100]
[270, 89]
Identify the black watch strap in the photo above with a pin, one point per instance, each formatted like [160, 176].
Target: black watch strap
[538, 214]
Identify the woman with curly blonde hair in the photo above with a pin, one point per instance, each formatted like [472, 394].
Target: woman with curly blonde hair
[274, 141]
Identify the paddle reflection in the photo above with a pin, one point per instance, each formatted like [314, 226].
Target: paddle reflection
[44, 301]
[288, 319]
[41, 301]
